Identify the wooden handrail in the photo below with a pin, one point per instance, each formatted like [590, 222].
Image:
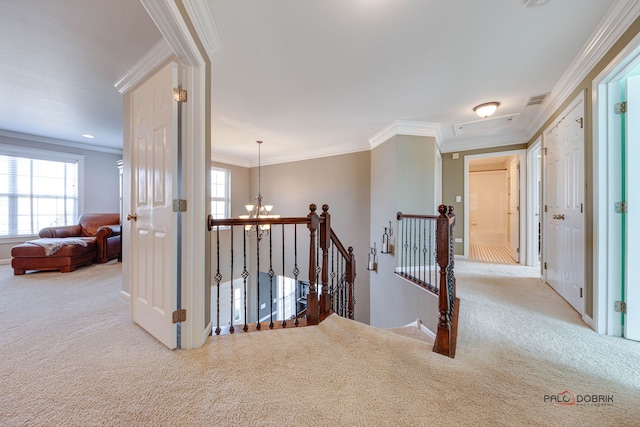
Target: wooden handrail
[322, 240]
[445, 285]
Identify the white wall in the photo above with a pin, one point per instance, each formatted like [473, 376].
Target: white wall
[488, 207]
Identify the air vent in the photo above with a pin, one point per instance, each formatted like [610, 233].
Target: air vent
[537, 99]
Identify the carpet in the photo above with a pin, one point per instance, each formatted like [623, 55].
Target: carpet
[72, 357]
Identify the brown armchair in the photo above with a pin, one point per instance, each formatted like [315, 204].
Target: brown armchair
[100, 233]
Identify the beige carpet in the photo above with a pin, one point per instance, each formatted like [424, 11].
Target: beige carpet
[71, 357]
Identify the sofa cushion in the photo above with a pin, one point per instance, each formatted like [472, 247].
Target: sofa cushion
[29, 250]
[92, 221]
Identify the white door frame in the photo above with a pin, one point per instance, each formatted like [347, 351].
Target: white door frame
[531, 232]
[606, 188]
[180, 42]
[523, 195]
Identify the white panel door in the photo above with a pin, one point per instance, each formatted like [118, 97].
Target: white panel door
[565, 217]
[632, 220]
[573, 216]
[153, 237]
[514, 209]
[553, 194]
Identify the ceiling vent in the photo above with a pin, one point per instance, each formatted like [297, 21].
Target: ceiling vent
[534, 3]
[537, 99]
[490, 125]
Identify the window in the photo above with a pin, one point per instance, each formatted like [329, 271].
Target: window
[220, 193]
[37, 190]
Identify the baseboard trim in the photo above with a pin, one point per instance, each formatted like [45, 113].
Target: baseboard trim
[418, 324]
[5, 261]
[125, 296]
[589, 321]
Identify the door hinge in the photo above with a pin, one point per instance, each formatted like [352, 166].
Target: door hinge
[620, 307]
[518, 250]
[581, 121]
[545, 208]
[620, 108]
[179, 95]
[621, 207]
[544, 150]
[580, 292]
[545, 265]
[179, 205]
[180, 316]
[581, 208]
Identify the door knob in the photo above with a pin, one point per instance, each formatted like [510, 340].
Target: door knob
[132, 217]
[561, 217]
[555, 217]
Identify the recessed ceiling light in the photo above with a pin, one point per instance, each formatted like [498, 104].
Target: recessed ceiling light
[87, 135]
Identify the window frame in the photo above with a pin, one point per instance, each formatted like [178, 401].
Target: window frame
[49, 155]
[227, 198]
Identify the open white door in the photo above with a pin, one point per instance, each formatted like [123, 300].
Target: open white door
[514, 209]
[153, 230]
[631, 224]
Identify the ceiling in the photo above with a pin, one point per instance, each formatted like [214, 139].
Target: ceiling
[309, 78]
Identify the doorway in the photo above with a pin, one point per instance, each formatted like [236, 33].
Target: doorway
[616, 234]
[494, 195]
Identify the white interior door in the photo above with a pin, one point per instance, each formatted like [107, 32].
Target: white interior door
[554, 192]
[153, 228]
[565, 217]
[573, 217]
[514, 209]
[631, 158]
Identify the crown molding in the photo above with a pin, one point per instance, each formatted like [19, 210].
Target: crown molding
[55, 141]
[228, 160]
[485, 142]
[201, 15]
[315, 154]
[617, 20]
[150, 61]
[403, 127]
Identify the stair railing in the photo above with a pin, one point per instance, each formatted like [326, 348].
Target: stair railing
[426, 258]
[328, 259]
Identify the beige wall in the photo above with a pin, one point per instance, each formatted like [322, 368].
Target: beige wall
[453, 185]
[101, 182]
[402, 179]
[342, 182]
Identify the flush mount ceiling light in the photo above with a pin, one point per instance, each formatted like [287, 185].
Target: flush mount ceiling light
[486, 109]
[87, 135]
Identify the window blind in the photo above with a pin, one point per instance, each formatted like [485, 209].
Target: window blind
[36, 193]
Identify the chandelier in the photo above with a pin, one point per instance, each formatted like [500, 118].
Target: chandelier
[259, 210]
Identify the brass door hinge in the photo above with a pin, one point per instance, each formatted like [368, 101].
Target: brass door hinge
[179, 316]
[545, 265]
[620, 307]
[179, 95]
[620, 108]
[581, 122]
[179, 205]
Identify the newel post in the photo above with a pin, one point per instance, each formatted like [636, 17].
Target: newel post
[325, 244]
[312, 295]
[351, 278]
[443, 343]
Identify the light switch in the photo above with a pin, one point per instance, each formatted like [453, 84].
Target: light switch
[458, 239]
[458, 199]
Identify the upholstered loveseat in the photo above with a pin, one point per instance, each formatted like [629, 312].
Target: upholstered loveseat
[96, 238]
